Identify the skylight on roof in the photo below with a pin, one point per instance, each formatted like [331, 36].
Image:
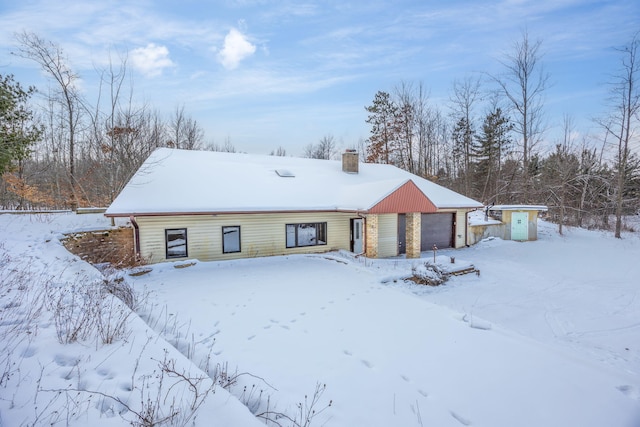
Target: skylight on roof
[285, 173]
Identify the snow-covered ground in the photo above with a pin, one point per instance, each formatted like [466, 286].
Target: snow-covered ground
[547, 335]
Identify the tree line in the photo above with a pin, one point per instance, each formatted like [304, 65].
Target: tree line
[59, 151]
[488, 142]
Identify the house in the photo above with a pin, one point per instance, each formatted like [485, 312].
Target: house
[212, 206]
[508, 222]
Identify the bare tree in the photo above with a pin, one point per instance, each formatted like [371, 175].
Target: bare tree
[51, 59]
[562, 173]
[524, 84]
[227, 147]
[406, 125]
[463, 101]
[623, 121]
[279, 152]
[185, 131]
[325, 149]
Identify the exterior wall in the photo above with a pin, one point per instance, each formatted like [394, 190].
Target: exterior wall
[503, 231]
[387, 235]
[260, 234]
[479, 232]
[460, 238]
[460, 228]
[532, 220]
[506, 219]
[371, 236]
[265, 234]
[533, 225]
[413, 235]
[114, 246]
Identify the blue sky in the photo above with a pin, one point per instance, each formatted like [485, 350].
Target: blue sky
[286, 73]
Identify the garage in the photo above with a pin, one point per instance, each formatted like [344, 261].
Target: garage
[437, 228]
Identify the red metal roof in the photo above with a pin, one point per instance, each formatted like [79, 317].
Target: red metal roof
[407, 198]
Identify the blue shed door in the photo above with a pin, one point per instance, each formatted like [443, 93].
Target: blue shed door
[519, 226]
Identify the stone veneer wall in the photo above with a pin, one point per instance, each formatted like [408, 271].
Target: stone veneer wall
[114, 246]
[413, 234]
[371, 236]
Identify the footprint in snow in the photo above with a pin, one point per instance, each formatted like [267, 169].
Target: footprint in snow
[284, 327]
[266, 327]
[251, 337]
[29, 352]
[404, 377]
[460, 419]
[63, 360]
[347, 352]
[423, 393]
[366, 363]
[629, 390]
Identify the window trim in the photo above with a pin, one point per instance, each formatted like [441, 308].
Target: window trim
[318, 226]
[166, 243]
[239, 239]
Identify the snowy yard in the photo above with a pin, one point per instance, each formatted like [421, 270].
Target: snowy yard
[547, 335]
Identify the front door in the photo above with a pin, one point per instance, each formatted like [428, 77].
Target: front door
[357, 235]
[519, 226]
[402, 234]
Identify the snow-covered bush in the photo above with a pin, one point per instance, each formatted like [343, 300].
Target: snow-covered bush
[428, 274]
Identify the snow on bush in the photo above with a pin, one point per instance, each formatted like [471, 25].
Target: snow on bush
[428, 274]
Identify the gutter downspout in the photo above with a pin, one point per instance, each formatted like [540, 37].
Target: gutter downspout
[466, 227]
[136, 237]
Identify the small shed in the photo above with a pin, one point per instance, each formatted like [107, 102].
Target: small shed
[508, 222]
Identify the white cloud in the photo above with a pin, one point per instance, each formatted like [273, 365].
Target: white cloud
[151, 60]
[236, 48]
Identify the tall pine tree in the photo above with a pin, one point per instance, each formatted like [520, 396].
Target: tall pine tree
[383, 115]
[492, 145]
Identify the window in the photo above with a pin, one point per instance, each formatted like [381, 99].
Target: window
[230, 239]
[176, 240]
[310, 234]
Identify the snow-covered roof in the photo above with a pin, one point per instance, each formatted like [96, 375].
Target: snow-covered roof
[182, 181]
[479, 218]
[518, 208]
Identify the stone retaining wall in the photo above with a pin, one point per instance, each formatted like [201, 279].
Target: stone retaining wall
[114, 246]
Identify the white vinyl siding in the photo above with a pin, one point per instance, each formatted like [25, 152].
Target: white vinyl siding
[460, 235]
[387, 235]
[261, 234]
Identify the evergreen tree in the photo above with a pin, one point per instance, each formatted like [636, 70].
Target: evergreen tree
[382, 117]
[17, 130]
[490, 149]
[463, 136]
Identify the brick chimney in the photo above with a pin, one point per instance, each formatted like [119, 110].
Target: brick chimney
[350, 161]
